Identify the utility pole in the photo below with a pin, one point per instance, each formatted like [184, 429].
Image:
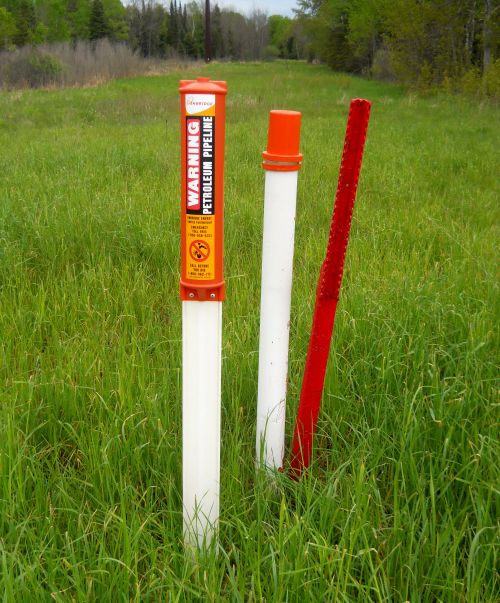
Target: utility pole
[208, 41]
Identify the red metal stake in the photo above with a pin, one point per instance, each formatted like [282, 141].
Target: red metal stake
[327, 293]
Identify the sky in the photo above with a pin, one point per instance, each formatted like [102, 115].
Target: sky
[271, 7]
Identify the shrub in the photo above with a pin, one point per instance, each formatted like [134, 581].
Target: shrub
[470, 82]
[271, 53]
[491, 80]
[33, 69]
[425, 77]
[382, 66]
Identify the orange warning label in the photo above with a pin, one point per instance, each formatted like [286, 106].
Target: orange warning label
[202, 195]
[200, 254]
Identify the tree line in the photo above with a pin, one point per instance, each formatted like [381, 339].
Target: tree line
[423, 42]
[151, 28]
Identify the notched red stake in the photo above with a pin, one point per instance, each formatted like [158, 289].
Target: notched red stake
[327, 293]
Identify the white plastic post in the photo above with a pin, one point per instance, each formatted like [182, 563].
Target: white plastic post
[201, 408]
[202, 294]
[282, 165]
[277, 268]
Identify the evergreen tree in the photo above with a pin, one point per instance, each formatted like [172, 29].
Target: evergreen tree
[116, 19]
[230, 45]
[25, 23]
[8, 28]
[78, 15]
[218, 46]
[182, 25]
[163, 34]
[55, 18]
[98, 24]
[173, 29]
[192, 32]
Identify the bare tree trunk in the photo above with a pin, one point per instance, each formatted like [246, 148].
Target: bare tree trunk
[486, 35]
[470, 32]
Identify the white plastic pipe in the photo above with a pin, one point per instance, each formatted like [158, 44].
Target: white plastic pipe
[201, 410]
[277, 266]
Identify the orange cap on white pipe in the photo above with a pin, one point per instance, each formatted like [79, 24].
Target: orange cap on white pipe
[283, 142]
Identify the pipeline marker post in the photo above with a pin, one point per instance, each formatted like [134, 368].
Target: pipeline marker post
[281, 162]
[202, 293]
[328, 289]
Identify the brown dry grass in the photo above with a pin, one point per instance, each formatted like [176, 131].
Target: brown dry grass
[78, 65]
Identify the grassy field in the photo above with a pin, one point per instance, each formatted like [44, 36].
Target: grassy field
[402, 502]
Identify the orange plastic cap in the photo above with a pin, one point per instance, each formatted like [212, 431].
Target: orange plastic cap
[202, 85]
[283, 139]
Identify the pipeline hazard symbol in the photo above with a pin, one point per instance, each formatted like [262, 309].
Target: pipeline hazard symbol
[199, 250]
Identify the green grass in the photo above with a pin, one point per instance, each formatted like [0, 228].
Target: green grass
[402, 501]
